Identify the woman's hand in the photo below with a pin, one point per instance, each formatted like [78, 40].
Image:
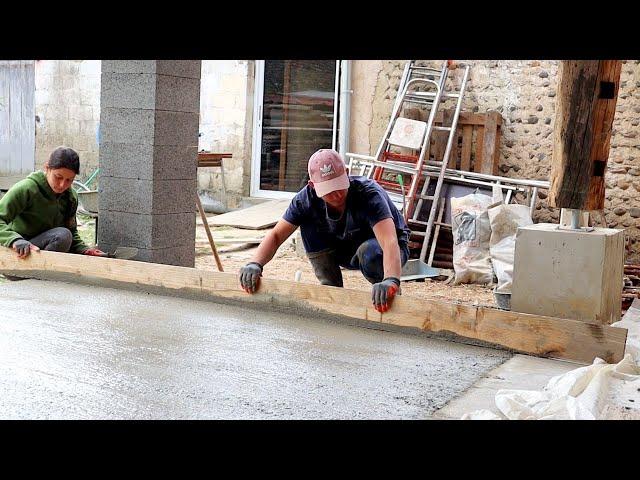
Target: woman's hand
[94, 252]
[24, 247]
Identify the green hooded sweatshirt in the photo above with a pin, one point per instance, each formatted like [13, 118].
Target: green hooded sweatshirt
[31, 207]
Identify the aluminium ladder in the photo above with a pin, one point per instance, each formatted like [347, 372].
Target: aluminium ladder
[415, 76]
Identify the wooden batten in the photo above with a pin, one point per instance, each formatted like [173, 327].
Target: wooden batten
[531, 334]
[585, 108]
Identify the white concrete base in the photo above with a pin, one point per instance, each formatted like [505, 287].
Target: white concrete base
[568, 274]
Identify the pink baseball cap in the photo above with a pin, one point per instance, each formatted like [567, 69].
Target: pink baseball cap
[327, 172]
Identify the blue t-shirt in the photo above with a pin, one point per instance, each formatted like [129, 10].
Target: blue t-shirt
[367, 204]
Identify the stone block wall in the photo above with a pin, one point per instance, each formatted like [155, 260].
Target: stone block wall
[524, 93]
[67, 106]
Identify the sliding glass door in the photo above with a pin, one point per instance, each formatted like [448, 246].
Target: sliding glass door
[296, 113]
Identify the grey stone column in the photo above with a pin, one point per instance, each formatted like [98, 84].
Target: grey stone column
[149, 119]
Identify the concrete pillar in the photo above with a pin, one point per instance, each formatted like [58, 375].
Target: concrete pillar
[149, 121]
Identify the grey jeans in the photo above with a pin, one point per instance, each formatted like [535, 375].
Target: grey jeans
[57, 239]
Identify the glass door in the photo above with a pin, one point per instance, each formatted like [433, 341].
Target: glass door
[296, 113]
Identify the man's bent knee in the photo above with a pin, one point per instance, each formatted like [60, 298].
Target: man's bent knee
[369, 256]
[326, 268]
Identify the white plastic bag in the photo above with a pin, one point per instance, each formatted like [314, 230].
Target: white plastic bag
[504, 221]
[471, 234]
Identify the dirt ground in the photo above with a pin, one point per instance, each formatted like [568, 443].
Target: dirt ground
[287, 262]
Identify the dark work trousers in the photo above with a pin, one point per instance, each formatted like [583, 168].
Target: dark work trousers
[367, 257]
[57, 239]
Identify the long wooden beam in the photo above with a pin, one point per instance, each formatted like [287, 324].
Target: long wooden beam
[531, 334]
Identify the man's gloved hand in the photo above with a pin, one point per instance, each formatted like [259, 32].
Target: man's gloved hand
[384, 292]
[23, 247]
[250, 276]
[94, 252]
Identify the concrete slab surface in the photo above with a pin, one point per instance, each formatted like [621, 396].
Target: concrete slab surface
[78, 352]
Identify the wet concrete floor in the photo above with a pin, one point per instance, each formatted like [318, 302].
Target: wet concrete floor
[79, 352]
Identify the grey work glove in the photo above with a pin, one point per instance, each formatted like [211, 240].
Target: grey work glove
[383, 293]
[23, 247]
[250, 276]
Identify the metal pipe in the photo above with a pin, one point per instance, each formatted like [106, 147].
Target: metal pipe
[575, 219]
[344, 120]
[540, 184]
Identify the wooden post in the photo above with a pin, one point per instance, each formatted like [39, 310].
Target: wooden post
[208, 230]
[587, 94]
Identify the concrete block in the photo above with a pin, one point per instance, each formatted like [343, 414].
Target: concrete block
[568, 274]
[146, 231]
[174, 230]
[124, 125]
[127, 160]
[179, 68]
[125, 195]
[157, 197]
[177, 94]
[181, 256]
[174, 196]
[128, 90]
[124, 229]
[128, 66]
[176, 128]
[175, 162]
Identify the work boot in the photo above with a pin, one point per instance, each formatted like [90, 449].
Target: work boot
[326, 268]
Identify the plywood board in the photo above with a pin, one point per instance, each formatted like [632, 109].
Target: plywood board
[259, 216]
[525, 333]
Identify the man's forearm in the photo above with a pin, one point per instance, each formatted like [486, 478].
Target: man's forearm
[391, 260]
[267, 249]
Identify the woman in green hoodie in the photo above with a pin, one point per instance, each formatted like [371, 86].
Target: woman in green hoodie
[39, 212]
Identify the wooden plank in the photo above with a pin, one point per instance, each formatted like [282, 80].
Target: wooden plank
[489, 145]
[496, 154]
[537, 335]
[585, 109]
[477, 161]
[209, 236]
[465, 158]
[259, 216]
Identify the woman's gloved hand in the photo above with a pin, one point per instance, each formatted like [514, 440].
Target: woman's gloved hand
[23, 247]
[94, 252]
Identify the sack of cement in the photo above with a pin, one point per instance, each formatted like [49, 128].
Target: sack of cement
[504, 221]
[471, 234]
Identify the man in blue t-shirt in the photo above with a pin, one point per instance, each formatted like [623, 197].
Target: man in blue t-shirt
[345, 221]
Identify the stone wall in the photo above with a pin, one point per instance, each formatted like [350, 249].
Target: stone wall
[225, 126]
[67, 106]
[524, 93]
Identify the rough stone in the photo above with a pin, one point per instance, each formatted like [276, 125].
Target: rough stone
[532, 119]
[634, 212]
[619, 211]
[543, 74]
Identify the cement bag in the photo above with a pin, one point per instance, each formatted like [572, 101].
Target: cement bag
[471, 234]
[505, 220]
